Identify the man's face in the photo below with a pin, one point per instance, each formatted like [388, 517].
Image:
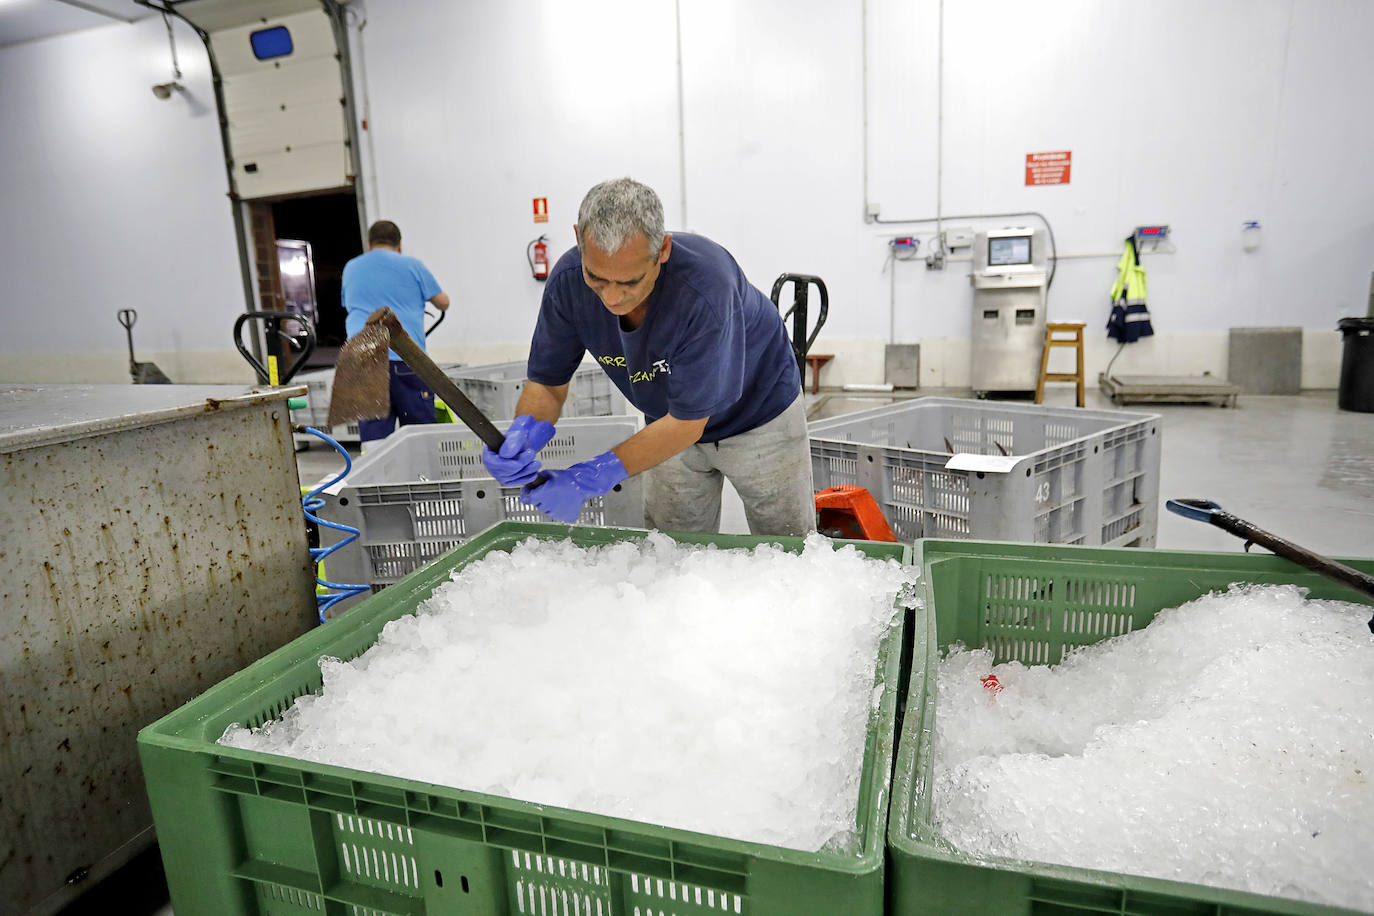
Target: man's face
[623, 280]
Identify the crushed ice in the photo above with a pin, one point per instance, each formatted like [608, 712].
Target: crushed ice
[722, 691]
[1229, 743]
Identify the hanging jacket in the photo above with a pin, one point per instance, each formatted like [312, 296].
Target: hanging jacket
[1130, 319]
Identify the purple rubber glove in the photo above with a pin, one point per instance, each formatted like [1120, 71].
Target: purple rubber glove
[515, 464]
[562, 495]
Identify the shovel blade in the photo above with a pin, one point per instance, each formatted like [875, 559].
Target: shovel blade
[362, 379]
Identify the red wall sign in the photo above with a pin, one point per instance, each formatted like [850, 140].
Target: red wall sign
[1048, 168]
[541, 209]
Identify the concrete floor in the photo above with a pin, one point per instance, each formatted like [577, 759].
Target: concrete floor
[1297, 467]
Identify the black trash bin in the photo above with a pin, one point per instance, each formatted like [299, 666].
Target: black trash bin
[1357, 365]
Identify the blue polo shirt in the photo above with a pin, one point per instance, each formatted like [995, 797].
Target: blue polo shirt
[381, 277]
[711, 344]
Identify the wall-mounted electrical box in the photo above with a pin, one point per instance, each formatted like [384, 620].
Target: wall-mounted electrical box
[958, 238]
[1152, 238]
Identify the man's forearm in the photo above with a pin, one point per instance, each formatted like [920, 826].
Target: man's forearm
[657, 442]
[543, 402]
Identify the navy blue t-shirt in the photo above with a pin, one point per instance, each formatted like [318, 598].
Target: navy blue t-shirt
[711, 344]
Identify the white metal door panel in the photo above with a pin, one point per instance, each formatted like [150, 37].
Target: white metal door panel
[312, 38]
[302, 125]
[308, 81]
[310, 168]
[286, 120]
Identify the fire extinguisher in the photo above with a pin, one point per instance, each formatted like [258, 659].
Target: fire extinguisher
[538, 254]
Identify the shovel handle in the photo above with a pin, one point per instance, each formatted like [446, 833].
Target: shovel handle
[1204, 510]
[434, 377]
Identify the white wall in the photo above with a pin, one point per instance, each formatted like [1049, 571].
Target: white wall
[1198, 115]
[114, 199]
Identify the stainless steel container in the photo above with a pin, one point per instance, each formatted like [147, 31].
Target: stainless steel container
[152, 544]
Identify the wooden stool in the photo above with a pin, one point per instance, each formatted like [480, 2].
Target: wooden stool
[815, 361]
[1076, 341]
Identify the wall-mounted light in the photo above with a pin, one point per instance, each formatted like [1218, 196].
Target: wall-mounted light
[164, 90]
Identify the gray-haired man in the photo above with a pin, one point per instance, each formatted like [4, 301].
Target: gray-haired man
[675, 324]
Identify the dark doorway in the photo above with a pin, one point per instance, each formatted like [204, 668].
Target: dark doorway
[329, 222]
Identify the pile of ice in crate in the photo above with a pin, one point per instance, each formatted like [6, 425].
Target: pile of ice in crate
[1229, 743]
[723, 691]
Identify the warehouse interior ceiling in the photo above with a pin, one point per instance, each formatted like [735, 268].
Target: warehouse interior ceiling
[30, 20]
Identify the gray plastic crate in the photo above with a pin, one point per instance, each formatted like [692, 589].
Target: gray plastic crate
[425, 490]
[319, 383]
[495, 389]
[1071, 476]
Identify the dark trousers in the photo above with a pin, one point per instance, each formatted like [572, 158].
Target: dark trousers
[411, 402]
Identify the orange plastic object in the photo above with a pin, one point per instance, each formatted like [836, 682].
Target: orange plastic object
[851, 512]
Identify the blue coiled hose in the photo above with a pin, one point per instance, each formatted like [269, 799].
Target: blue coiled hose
[312, 502]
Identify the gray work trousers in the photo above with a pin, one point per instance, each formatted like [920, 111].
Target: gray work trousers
[769, 466]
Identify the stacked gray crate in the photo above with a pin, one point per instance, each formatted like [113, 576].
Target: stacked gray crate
[494, 389]
[425, 490]
[1071, 476]
[319, 383]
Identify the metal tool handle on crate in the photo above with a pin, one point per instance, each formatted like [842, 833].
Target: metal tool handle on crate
[801, 339]
[1204, 510]
[271, 320]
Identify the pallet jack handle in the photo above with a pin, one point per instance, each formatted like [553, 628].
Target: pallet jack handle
[272, 326]
[439, 319]
[801, 340]
[127, 317]
[1204, 510]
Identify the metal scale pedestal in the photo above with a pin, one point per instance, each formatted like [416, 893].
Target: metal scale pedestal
[1008, 334]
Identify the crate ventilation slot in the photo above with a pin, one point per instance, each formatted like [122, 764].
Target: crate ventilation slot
[363, 857]
[668, 898]
[1100, 594]
[1096, 623]
[438, 517]
[291, 895]
[1057, 433]
[550, 894]
[559, 449]
[277, 709]
[1018, 588]
[1025, 651]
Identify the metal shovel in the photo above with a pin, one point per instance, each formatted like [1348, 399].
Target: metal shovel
[362, 387]
[1204, 510]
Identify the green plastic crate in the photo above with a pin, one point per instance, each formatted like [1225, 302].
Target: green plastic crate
[1072, 596]
[245, 832]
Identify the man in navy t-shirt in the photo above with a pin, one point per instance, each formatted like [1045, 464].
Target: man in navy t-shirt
[677, 327]
[384, 277]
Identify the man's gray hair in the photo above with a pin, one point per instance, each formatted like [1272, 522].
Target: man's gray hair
[615, 210]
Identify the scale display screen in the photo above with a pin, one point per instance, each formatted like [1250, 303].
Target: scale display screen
[1005, 252]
